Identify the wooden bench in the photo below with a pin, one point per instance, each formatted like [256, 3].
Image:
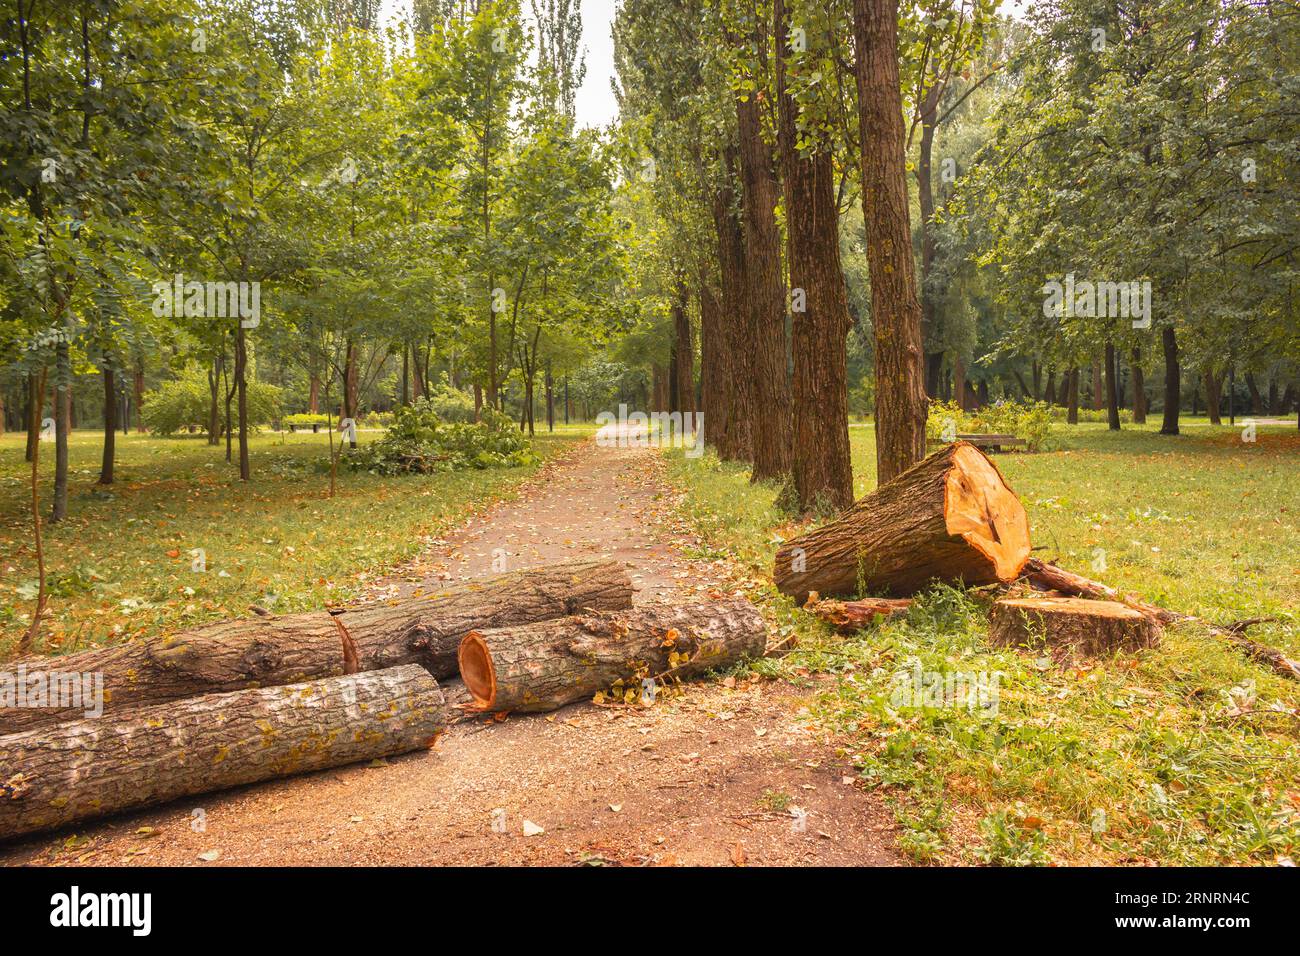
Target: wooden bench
[988, 441]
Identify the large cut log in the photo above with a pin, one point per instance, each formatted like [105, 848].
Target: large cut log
[53, 776]
[538, 667]
[1046, 576]
[266, 651]
[1071, 628]
[949, 518]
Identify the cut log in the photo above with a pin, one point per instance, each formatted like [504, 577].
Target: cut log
[948, 518]
[89, 768]
[1071, 628]
[1046, 576]
[849, 616]
[539, 667]
[268, 651]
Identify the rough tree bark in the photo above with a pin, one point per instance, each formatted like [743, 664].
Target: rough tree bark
[265, 651]
[110, 427]
[823, 472]
[950, 518]
[737, 440]
[543, 666]
[1173, 384]
[683, 353]
[1139, 389]
[1070, 628]
[770, 431]
[715, 366]
[97, 766]
[895, 310]
[1112, 388]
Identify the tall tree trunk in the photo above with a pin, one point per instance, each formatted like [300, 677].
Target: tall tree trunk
[1173, 383]
[214, 391]
[350, 387]
[1049, 396]
[683, 353]
[313, 394]
[550, 398]
[1098, 399]
[925, 190]
[1213, 394]
[1112, 387]
[62, 426]
[715, 366]
[895, 310]
[736, 442]
[1072, 415]
[241, 385]
[35, 403]
[770, 434]
[1139, 389]
[959, 381]
[139, 395]
[1256, 399]
[110, 426]
[823, 472]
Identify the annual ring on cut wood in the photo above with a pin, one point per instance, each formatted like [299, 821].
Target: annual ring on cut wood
[1071, 627]
[980, 507]
[476, 669]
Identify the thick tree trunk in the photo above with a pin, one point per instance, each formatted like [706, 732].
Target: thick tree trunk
[1098, 399]
[1173, 384]
[737, 440]
[1256, 399]
[771, 431]
[1072, 412]
[895, 310]
[684, 353]
[543, 666]
[823, 472]
[715, 367]
[110, 427]
[1049, 396]
[1071, 628]
[1213, 394]
[951, 518]
[1139, 389]
[93, 767]
[1112, 388]
[265, 651]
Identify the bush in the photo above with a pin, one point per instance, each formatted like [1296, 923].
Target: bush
[418, 440]
[1031, 421]
[450, 404]
[183, 403]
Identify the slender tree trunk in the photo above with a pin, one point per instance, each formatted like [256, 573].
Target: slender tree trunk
[1213, 395]
[550, 398]
[925, 190]
[241, 385]
[34, 409]
[770, 435]
[110, 426]
[1173, 383]
[139, 395]
[895, 310]
[1072, 415]
[736, 442]
[715, 367]
[959, 381]
[350, 387]
[62, 426]
[1139, 389]
[1098, 401]
[214, 390]
[1112, 387]
[683, 353]
[1049, 396]
[1256, 399]
[823, 472]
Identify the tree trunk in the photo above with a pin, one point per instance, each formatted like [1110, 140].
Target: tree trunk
[766, 344]
[1098, 402]
[895, 311]
[952, 518]
[1139, 389]
[544, 666]
[110, 426]
[959, 380]
[241, 386]
[1072, 414]
[929, 109]
[684, 354]
[1049, 396]
[62, 427]
[1173, 384]
[35, 405]
[350, 388]
[214, 393]
[1256, 399]
[1112, 387]
[1213, 394]
[737, 440]
[1071, 628]
[823, 472]
[715, 367]
[265, 651]
[97, 766]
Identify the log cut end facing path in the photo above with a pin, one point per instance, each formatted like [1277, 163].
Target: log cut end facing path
[951, 517]
[1071, 628]
[543, 666]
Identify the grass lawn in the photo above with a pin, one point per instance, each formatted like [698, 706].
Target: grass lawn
[1189, 754]
[120, 565]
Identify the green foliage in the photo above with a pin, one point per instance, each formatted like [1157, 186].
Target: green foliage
[304, 418]
[419, 440]
[185, 404]
[1031, 421]
[450, 404]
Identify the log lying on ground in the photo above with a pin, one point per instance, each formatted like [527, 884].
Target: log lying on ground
[1071, 628]
[539, 667]
[951, 517]
[850, 616]
[1046, 576]
[53, 776]
[268, 651]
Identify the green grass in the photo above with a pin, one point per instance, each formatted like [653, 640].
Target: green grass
[120, 565]
[1188, 754]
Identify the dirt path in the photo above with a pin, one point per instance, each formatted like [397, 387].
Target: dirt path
[717, 776]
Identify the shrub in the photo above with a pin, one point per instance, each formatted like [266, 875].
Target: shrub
[183, 403]
[450, 404]
[1031, 421]
[418, 440]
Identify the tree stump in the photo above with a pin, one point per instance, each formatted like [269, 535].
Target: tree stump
[1070, 628]
[951, 518]
[53, 776]
[539, 667]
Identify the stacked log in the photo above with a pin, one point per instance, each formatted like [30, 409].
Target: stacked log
[88, 768]
[540, 667]
[270, 651]
[949, 518]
